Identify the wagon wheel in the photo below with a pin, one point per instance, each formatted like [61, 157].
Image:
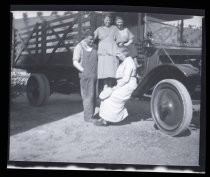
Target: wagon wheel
[37, 91]
[171, 107]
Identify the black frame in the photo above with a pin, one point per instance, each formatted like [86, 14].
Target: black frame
[201, 168]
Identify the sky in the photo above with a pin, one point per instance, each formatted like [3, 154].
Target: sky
[196, 20]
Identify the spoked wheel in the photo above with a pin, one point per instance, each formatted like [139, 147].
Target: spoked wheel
[38, 89]
[171, 107]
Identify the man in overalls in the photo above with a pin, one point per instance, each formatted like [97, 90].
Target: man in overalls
[85, 59]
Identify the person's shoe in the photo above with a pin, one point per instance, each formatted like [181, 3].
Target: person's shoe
[96, 117]
[91, 120]
[101, 122]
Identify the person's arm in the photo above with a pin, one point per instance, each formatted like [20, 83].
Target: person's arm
[130, 41]
[130, 36]
[126, 76]
[136, 62]
[96, 37]
[77, 58]
[78, 66]
[96, 34]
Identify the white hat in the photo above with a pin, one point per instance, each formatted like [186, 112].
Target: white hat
[106, 93]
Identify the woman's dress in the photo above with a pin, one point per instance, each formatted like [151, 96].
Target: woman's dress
[123, 36]
[113, 108]
[107, 47]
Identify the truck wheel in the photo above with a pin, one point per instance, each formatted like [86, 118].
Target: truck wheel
[171, 107]
[36, 89]
[47, 88]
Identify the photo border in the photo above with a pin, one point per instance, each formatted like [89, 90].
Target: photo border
[125, 8]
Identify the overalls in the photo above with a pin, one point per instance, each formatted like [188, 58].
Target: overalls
[88, 81]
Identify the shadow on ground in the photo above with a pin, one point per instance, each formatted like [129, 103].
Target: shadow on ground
[24, 117]
[195, 123]
[138, 110]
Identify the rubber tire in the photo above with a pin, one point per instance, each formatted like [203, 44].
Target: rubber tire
[178, 88]
[47, 88]
[35, 79]
[43, 89]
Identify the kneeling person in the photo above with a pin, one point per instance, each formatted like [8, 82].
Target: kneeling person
[113, 108]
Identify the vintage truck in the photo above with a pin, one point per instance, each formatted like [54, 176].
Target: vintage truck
[169, 70]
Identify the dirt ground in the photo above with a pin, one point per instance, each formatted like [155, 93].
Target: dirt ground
[56, 132]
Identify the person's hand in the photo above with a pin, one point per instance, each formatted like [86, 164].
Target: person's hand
[82, 70]
[126, 44]
[120, 44]
[114, 88]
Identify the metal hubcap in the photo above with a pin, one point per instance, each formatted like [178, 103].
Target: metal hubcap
[169, 110]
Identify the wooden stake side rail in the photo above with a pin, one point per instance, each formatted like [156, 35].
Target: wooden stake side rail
[60, 26]
[62, 18]
[51, 36]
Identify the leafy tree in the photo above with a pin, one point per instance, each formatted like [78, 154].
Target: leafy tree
[40, 15]
[54, 13]
[67, 13]
[25, 18]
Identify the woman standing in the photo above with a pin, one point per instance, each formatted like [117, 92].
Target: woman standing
[124, 37]
[113, 108]
[107, 62]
